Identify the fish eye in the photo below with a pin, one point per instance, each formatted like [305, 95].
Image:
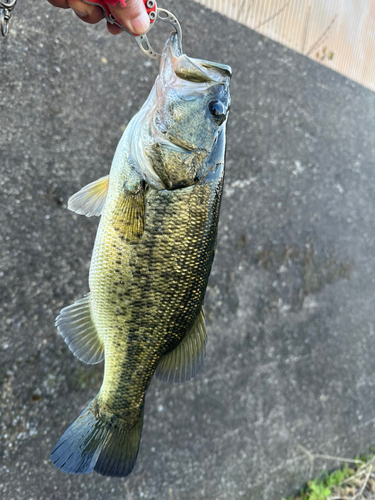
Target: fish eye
[217, 111]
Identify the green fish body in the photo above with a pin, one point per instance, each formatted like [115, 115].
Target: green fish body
[151, 262]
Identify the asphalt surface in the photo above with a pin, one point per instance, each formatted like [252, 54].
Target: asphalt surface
[290, 303]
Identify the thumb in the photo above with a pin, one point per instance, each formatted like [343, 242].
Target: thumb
[132, 15]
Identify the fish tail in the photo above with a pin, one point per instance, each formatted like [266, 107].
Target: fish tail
[98, 441]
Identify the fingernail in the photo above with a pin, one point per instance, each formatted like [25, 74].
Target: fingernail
[80, 13]
[141, 23]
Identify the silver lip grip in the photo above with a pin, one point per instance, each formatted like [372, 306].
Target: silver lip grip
[111, 20]
[6, 7]
[142, 40]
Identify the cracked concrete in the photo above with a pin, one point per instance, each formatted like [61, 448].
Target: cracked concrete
[291, 352]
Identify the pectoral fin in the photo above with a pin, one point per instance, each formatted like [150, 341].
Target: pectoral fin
[129, 217]
[90, 199]
[78, 330]
[186, 360]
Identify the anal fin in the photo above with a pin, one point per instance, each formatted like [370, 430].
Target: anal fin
[79, 332]
[90, 199]
[186, 360]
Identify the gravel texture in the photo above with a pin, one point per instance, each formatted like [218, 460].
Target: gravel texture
[290, 304]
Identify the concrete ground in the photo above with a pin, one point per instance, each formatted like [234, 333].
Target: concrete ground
[290, 304]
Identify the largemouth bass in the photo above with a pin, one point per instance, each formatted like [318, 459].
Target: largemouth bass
[152, 257]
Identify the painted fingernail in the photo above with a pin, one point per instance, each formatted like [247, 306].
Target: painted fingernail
[141, 23]
[80, 13]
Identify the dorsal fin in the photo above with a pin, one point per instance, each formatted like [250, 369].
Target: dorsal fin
[79, 332]
[90, 199]
[186, 360]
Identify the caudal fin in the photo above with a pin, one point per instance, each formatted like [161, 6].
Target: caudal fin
[107, 446]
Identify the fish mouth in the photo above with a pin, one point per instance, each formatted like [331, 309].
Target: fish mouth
[174, 61]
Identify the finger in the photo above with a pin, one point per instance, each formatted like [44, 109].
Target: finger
[113, 29]
[63, 4]
[89, 13]
[132, 16]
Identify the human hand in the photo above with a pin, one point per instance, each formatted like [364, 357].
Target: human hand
[132, 15]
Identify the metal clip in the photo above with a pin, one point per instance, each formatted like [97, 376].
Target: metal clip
[154, 13]
[6, 7]
[142, 40]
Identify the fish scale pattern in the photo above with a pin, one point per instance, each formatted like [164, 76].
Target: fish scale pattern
[147, 295]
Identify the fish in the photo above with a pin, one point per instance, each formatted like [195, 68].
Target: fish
[151, 261]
